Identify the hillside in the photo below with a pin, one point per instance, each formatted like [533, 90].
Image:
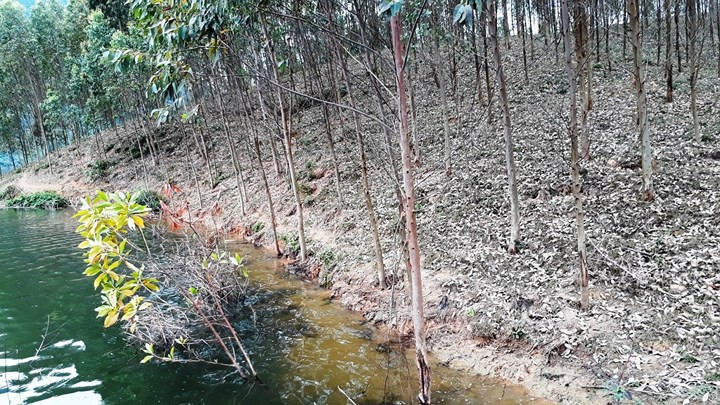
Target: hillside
[652, 328]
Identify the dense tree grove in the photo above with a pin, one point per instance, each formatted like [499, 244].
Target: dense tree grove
[77, 70]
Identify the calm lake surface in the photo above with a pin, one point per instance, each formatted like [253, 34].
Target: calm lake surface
[54, 351]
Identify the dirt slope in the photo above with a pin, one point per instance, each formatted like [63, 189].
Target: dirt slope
[653, 326]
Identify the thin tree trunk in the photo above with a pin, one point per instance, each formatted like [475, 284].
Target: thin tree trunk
[506, 24]
[509, 154]
[382, 278]
[574, 164]
[442, 88]
[693, 55]
[288, 148]
[418, 313]
[668, 53]
[648, 192]
[584, 70]
[268, 194]
[677, 35]
[239, 179]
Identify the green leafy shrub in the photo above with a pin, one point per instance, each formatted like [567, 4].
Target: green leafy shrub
[104, 220]
[257, 227]
[149, 199]
[41, 200]
[327, 256]
[9, 192]
[305, 188]
[97, 169]
[292, 243]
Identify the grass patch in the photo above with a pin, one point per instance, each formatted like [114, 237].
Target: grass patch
[150, 199]
[327, 256]
[97, 169]
[292, 243]
[40, 200]
[257, 227]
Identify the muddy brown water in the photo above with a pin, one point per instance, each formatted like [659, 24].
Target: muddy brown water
[306, 349]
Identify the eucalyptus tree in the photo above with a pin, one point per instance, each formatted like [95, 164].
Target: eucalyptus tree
[648, 192]
[668, 51]
[695, 45]
[19, 59]
[584, 70]
[393, 8]
[507, 129]
[360, 138]
[575, 154]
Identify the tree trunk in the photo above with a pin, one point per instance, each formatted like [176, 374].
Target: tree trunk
[239, 179]
[521, 32]
[668, 53]
[442, 88]
[574, 164]
[624, 29]
[677, 35]
[648, 192]
[509, 154]
[506, 24]
[288, 149]
[583, 70]
[268, 193]
[418, 312]
[694, 56]
[363, 171]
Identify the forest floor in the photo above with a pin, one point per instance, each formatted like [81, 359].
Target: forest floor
[652, 332]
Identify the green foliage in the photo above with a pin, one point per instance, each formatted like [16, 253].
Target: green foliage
[257, 227]
[304, 188]
[150, 199]
[618, 392]
[292, 243]
[327, 256]
[40, 200]
[105, 220]
[9, 193]
[391, 7]
[97, 170]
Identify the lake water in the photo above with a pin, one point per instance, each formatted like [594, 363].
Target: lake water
[54, 351]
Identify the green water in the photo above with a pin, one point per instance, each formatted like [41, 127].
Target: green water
[54, 351]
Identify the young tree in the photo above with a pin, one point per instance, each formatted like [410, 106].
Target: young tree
[668, 53]
[584, 71]
[507, 125]
[694, 52]
[418, 311]
[574, 158]
[648, 192]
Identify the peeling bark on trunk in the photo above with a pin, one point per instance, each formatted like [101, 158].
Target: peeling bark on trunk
[574, 164]
[648, 192]
[418, 312]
